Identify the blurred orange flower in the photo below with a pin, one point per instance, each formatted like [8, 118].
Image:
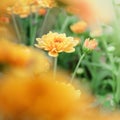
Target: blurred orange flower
[55, 43]
[23, 95]
[79, 27]
[23, 57]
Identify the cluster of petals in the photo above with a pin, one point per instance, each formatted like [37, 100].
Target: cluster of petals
[24, 8]
[90, 44]
[55, 43]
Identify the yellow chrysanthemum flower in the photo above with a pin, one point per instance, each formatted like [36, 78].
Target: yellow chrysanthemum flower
[55, 43]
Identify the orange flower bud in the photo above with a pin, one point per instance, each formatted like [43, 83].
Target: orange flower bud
[89, 45]
[42, 11]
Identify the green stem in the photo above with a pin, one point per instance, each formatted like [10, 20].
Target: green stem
[55, 68]
[65, 24]
[44, 23]
[117, 92]
[108, 55]
[116, 20]
[16, 28]
[31, 28]
[110, 58]
[115, 74]
[34, 30]
[77, 66]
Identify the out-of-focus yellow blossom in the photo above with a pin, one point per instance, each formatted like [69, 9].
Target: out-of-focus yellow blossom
[5, 4]
[23, 57]
[21, 10]
[25, 96]
[79, 27]
[55, 43]
[90, 45]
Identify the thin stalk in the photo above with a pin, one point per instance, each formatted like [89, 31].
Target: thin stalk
[34, 30]
[55, 68]
[44, 23]
[65, 24]
[31, 28]
[116, 22]
[110, 58]
[117, 92]
[77, 66]
[16, 27]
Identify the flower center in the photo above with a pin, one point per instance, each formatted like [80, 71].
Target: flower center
[58, 40]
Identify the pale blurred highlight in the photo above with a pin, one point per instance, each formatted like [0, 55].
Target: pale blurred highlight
[91, 10]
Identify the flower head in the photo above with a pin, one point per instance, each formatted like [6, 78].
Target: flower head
[55, 43]
[89, 45]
